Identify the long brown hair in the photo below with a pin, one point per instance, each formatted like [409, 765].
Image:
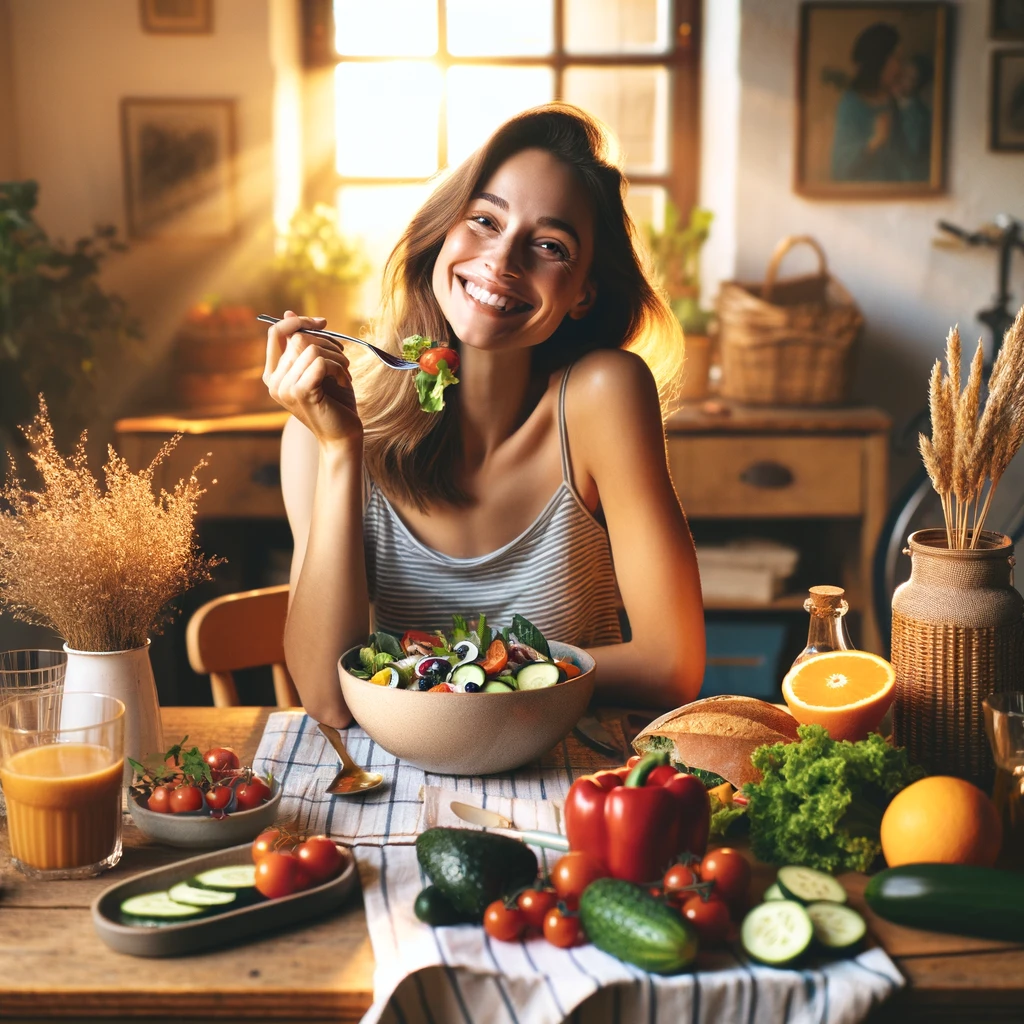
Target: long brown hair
[411, 454]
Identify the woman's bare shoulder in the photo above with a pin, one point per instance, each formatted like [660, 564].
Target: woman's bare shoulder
[611, 383]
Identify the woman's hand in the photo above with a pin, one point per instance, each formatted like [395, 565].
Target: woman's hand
[310, 378]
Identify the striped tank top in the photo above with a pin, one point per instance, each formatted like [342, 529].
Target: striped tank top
[557, 573]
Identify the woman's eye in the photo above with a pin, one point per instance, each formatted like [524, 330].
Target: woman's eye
[555, 248]
[482, 219]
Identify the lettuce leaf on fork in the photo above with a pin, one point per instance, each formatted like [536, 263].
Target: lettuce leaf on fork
[430, 388]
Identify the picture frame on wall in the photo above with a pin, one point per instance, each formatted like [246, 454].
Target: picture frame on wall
[179, 167]
[1006, 19]
[872, 100]
[1006, 106]
[177, 16]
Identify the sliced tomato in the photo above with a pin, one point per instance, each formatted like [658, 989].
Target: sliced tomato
[496, 657]
[429, 360]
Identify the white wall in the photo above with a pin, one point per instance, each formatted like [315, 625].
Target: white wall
[910, 292]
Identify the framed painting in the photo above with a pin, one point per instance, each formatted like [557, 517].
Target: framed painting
[177, 16]
[1006, 20]
[872, 90]
[179, 167]
[1006, 107]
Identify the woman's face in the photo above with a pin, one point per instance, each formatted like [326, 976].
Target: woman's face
[518, 259]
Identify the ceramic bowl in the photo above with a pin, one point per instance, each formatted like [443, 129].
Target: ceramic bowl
[469, 733]
[200, 831]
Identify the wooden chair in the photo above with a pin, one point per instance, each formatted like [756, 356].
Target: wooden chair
[238, 631]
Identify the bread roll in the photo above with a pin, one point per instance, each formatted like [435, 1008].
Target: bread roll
[719, 734]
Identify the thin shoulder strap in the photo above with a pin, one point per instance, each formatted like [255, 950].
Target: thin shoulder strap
[563, 433]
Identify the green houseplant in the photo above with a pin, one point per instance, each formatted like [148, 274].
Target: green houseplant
[60, 332]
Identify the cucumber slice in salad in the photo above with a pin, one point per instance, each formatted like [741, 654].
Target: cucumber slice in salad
[537, 675]
[230, 879]
[777, 932]
[836, 927]
[497, 686]
[773, 892]
[806, 885]
[193, 897]
[468, 673]
[157, 907]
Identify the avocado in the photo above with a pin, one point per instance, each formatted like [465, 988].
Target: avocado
[474, 868]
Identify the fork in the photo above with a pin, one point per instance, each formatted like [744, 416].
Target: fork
[391, 361]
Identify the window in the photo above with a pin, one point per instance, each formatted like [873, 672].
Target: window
[421, 83]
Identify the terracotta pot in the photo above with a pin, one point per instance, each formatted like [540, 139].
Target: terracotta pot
[695, 372]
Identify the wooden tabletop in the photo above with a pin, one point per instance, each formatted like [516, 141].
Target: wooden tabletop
[52, 965]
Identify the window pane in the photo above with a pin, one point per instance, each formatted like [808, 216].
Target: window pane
[491, 28]
[377, 215]
[617, 26]
[480, 98]
[646, 205]
[633, 102]
[387, 116]
[386, 28]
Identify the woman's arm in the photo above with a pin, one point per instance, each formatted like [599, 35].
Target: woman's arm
[617, 440]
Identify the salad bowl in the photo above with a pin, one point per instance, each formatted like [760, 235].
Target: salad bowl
[469, 733]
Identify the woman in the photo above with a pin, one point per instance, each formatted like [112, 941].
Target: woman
[542, 488]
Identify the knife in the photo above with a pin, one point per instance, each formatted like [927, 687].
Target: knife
[491, 819]
[590, 731]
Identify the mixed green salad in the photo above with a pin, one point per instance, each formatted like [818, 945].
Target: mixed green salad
[467, 659]
[438, 366]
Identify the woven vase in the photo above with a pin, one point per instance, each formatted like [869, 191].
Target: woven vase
[957, 636]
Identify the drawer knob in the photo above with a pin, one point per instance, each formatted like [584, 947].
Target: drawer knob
[767, 475]
[267, 475]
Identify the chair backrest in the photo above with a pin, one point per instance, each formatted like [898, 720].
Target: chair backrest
[238, 631]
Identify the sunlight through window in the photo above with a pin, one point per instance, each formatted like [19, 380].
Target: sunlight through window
[492, 28]
[385, 28]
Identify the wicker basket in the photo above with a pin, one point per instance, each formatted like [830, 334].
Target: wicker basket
[957, 636]
[788, 342]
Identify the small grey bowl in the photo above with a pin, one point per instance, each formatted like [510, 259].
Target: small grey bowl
[200, 831]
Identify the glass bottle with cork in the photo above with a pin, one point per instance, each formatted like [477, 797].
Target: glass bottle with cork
[827, 630]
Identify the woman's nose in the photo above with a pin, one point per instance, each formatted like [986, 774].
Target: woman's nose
[503, 259]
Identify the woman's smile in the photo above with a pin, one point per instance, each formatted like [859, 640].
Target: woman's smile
[493, 298]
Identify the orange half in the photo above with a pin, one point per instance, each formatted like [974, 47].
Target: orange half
[848, 692]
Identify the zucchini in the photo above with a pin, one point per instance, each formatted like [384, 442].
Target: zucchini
[193, 897]
[468, 673]
[497, 686]
[434, 908]
[837, 928]
[807, 885]
[773, 892]
[624, 920]
[156, 908]
[777, 933]
[954, 898]
[538, 675]
[230, 879]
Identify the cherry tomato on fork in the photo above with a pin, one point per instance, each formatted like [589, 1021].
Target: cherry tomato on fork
[429, 360]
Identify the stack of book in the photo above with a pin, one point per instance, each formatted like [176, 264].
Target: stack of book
[749, 570]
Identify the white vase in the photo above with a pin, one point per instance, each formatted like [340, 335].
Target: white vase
[127, 675]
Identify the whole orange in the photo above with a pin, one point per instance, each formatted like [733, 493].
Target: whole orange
[941, 820]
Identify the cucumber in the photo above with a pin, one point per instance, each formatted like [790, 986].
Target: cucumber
[624, 920]
[157, 907]
[468, 673]
[806, 885]
[954, 898]
[497, 686]
[837, 928]
[537, 675]
[777, 932]
[229, 879]
[193, 897]
[434, 908]
[773, 892]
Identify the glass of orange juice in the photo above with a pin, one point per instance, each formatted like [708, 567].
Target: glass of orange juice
[61, 767]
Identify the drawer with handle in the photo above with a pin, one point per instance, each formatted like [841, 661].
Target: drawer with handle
[741, 476]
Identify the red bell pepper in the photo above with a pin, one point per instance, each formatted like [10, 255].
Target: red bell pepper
[637, 820]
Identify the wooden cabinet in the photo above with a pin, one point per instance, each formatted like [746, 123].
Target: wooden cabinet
[818, 476]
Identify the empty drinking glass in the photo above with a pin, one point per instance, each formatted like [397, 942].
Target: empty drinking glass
[1004, 724]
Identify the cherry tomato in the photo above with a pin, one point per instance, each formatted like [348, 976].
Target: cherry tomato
[221, 761]
[678, 877]
[269, 839]
[186, 798]
[535, 904]
[561, 930]
[572, 873]
[280, 874]
[730, 872]
[252, 794]
[160, 799]
[320, 857]
[432, 356]
[505, 923]
[710, 917]
[218, 798]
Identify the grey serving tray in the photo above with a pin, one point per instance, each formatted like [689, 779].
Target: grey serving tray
[216, 930]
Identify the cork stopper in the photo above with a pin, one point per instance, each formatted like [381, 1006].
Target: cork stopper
[826, 601]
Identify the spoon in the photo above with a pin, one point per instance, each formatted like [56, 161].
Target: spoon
[389, 360]
[352, 779]
[491, 819]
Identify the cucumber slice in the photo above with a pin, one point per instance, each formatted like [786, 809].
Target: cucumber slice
[157, 906]
[537, 675]
[468, 673]
[773, 892]
[496, 686]
[837, 928]
[193, 897]
[777, 932]
[231, 879]
[806, 885]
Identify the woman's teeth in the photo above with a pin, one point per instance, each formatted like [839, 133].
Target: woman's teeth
[486, 298]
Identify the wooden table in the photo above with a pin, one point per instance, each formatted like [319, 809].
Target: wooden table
[52, 965]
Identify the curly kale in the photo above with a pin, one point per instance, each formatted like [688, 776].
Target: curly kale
[821, 801]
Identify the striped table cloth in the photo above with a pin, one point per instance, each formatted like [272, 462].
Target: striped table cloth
[435, 975]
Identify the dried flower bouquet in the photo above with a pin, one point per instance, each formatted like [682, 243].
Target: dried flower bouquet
[99, 567]
[966, 456]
